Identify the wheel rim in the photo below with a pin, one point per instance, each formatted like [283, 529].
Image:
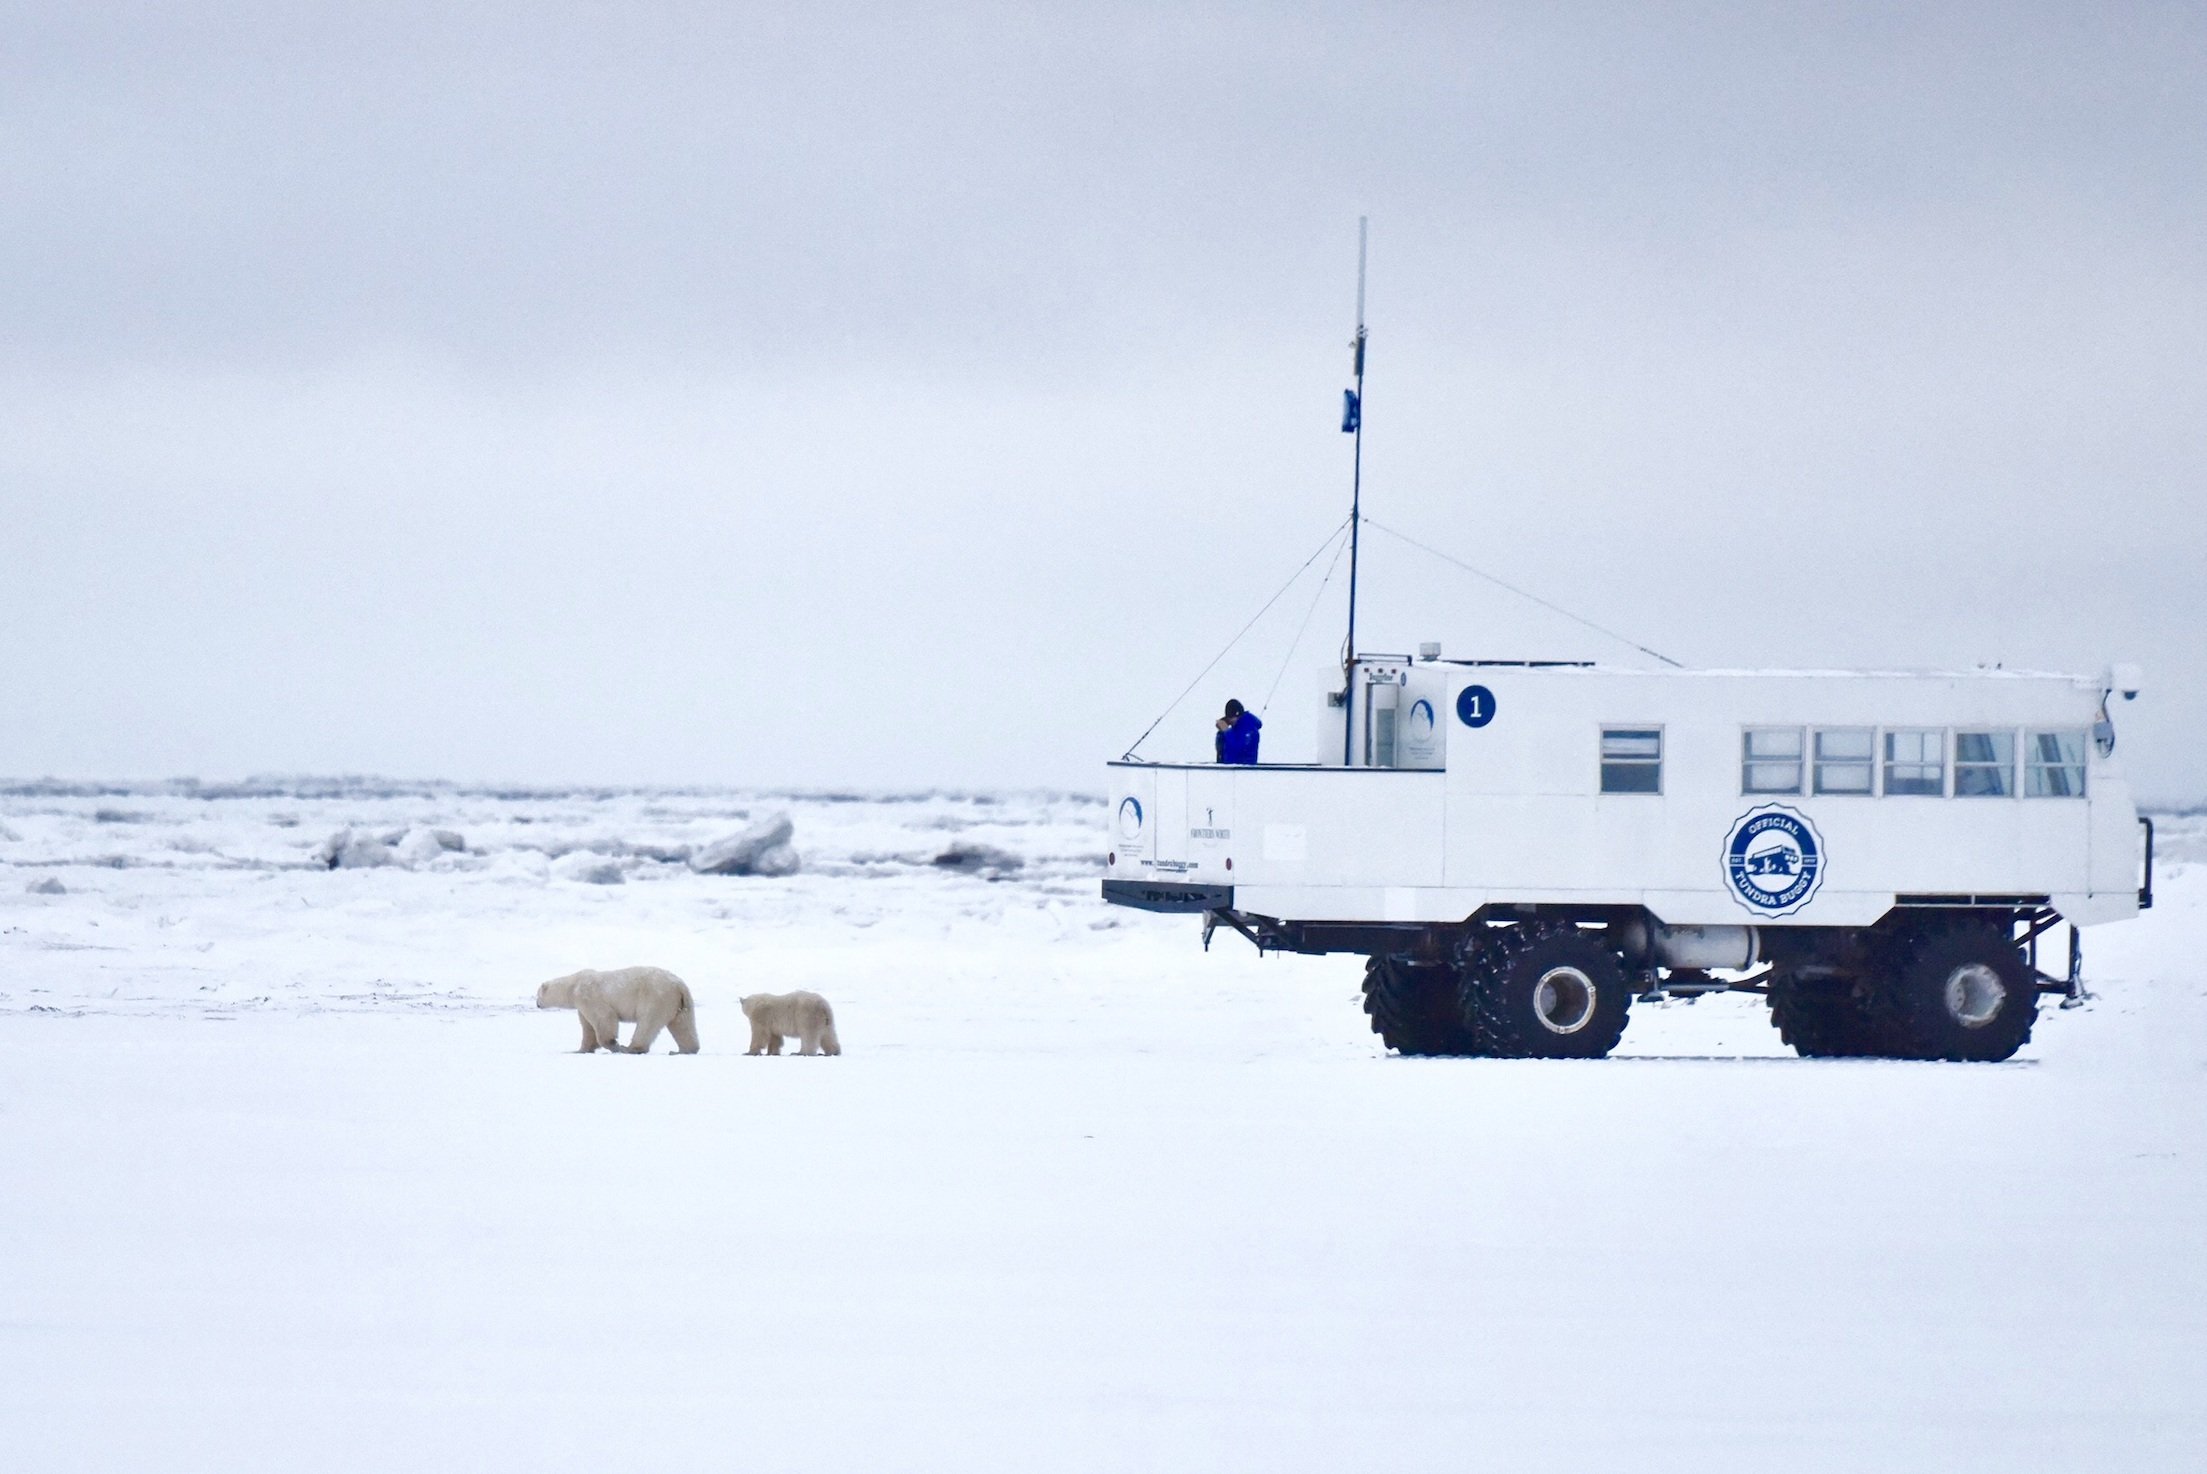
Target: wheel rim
[1975, 994]
[1563, 1000]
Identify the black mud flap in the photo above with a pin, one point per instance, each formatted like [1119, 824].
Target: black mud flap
[1168, 895]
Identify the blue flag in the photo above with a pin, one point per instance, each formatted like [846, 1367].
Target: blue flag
[1352, 412]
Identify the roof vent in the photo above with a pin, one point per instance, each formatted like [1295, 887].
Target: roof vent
[1430, 650]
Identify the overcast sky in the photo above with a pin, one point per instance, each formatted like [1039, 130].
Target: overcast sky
[888, 396]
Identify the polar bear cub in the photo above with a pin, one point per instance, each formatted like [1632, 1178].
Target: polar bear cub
[804, 1016]
[651, 998]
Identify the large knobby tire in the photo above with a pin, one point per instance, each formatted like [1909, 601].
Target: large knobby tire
[1821, 1018]
[1412, 1006]
[1960, 993]
[1544, 990]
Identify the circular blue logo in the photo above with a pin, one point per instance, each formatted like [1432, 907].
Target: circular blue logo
[1475, 706]
[1130, 817]
[1773, 859]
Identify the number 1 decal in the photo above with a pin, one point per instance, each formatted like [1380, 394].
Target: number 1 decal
[1475, 706]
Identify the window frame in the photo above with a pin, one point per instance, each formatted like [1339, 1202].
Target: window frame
[1603, 762]
[1749, 762]
[2032, 766]
[2005, 766]
[1887, 762]
[1817, 763]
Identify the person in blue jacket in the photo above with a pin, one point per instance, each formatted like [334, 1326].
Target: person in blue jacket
[1238, 732]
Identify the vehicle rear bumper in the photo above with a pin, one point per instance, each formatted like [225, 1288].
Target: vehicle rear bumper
[1168, 895]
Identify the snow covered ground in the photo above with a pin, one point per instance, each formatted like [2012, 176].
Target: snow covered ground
[295, 1179]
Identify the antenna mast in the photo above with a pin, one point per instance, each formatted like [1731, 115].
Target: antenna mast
[1352, 421]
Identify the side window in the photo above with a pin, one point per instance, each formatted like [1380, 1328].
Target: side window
[1845, 759]
[1770, 760]
[2053, 765]
[1632, 759]
[1984, 764]
[1915, 762]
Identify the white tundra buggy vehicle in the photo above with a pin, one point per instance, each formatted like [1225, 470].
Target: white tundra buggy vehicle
[1520, 848]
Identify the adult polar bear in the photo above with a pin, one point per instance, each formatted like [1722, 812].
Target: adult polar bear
[651, 998]
[805, 1017]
